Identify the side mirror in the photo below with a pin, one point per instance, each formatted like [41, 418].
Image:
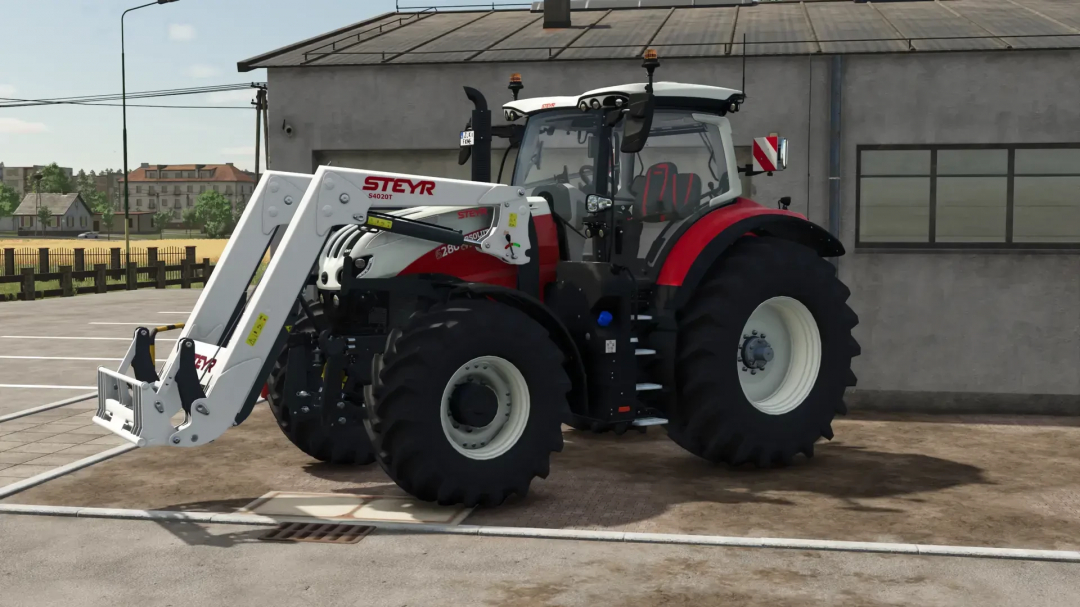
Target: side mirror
[770, 154]
[638, 123]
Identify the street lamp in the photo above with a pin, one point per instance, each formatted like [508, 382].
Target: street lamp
[123, 101]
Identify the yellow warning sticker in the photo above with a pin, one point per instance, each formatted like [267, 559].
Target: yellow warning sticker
[253, 337]
[513, 220]
[379, 222]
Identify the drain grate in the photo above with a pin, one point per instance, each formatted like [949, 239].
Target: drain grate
[317, 532]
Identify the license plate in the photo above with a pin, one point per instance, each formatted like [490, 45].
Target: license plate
[467, 138]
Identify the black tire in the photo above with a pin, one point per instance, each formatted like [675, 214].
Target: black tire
[405, 421]
[713, 418]
[347, 445]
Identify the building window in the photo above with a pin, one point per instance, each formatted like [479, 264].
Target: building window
[151, 174]
[177, 204]
[202, 189]
[190, 189]
[151, 205]
[138, 202]
[190, 203]
[216, 189]
[956, 196]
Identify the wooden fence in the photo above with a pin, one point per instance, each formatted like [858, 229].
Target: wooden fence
[79, 270]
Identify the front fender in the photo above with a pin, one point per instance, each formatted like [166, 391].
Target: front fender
[704, 242]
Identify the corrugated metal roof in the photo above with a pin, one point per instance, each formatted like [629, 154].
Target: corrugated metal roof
[774, 28]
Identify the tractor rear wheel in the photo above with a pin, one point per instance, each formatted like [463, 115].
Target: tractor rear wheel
[764, 355]
[331, 444]
[466, 404]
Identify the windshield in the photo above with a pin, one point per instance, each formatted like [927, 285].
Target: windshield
[556, 149]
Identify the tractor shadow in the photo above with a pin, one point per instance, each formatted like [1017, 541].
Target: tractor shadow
[604, 481]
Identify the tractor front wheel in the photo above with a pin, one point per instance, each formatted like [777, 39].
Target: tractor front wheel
[466, 404]
[764, 355]
[332, 444]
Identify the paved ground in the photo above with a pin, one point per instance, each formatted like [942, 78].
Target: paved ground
[989, 484]
[85, 562]
[987, 481]
[62, 319]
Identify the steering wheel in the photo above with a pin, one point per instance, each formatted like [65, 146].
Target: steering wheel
[587, 174]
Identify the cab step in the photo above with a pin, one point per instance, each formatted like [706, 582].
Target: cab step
[644, 352]
[649, 421]
[648, 386]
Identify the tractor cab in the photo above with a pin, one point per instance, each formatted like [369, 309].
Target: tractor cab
[624, 167]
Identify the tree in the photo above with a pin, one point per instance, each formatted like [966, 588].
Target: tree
[44, 214]
[161, 219]
[9, 200]
[107, 212]
[190, 217]
[54, 181]
[215, 213]
[85, 185]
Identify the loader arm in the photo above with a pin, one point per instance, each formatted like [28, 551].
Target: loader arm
[211, 372]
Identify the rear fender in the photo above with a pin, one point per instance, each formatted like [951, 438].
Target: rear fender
[699, 248]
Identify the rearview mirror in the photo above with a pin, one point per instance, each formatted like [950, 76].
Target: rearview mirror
[770, 154]
[639, 116]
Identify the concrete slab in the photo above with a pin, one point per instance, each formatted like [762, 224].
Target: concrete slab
[995, 482]
[355, 507]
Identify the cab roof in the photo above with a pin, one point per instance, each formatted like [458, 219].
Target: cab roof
[700, 93]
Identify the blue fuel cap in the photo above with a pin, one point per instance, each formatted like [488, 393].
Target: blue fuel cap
[605, 319]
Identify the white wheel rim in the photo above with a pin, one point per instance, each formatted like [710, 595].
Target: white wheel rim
[785, 381]
[505, 429]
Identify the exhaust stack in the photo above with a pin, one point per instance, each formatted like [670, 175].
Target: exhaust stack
[556, 14]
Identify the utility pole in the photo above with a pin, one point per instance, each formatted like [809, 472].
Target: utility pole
[260, 114]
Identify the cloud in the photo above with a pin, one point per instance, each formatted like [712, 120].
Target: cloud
[14, 126]
[240, 96]
[203, 71]
[181, 32]
[248, 150]
[6, 90]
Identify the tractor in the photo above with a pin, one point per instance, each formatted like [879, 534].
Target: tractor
[448, 329]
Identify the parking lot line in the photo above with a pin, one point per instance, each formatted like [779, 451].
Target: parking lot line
[127, 339]
[69, 358]
[44, 387]
[188, 312]
[151, 323]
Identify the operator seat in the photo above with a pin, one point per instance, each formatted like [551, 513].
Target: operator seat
[661, 193]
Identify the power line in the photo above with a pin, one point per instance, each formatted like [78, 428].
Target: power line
[97, 104]
[97, 99]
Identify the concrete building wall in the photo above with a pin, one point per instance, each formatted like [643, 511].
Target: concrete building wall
[975, 322]
[938, 328]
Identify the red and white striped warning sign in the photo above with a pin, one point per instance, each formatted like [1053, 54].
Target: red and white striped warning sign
[766, 150]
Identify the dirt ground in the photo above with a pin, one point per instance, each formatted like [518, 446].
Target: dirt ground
[987, 481]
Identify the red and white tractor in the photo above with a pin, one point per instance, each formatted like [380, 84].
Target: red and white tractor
[447, 329]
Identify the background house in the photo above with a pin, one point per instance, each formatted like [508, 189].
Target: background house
[939, 140]
[70, 215]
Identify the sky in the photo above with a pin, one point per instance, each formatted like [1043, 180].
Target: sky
[63, 48]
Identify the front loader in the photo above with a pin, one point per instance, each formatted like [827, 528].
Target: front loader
[447, 329]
